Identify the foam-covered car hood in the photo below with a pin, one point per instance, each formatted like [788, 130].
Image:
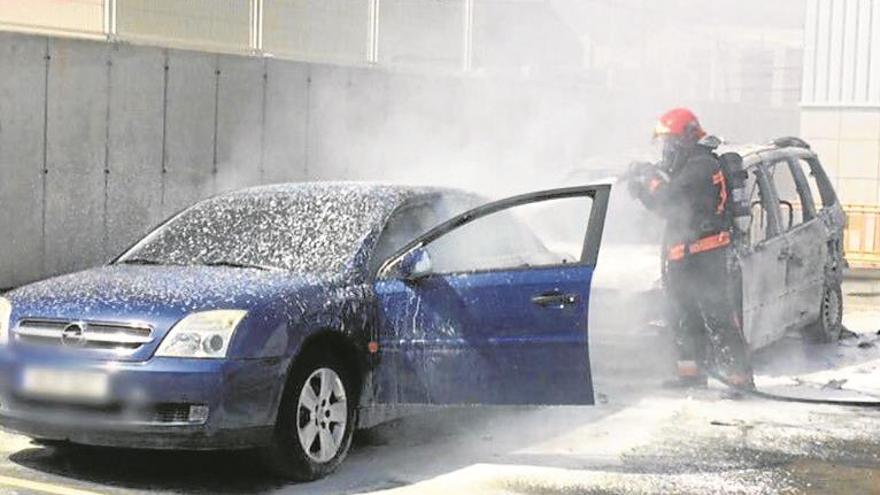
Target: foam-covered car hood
[117, 291]
[159, 296]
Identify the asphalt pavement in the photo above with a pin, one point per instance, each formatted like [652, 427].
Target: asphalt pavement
[638, 439]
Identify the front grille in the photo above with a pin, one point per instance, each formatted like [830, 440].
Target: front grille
[172, 413]
[165, 414]
[84, 334]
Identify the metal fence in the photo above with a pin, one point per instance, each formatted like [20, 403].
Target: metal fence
[216, 25]
[861, 238]
[79, 18]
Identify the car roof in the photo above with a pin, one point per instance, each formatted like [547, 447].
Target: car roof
[356, 186]
[754, 154]
[389, 194]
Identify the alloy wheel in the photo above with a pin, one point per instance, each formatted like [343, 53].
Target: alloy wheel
[321, 415]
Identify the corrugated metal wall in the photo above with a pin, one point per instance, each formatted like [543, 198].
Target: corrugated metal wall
[840, 111]
[842, 53]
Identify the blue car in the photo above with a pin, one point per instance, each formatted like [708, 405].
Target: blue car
[284, 317]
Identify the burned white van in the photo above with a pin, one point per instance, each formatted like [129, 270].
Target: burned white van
[792, 260]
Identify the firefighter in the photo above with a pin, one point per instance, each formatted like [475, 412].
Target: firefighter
[689, 190]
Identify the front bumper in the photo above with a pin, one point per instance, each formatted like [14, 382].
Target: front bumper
[147, 402]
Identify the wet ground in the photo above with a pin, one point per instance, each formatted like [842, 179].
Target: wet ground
[639, 439]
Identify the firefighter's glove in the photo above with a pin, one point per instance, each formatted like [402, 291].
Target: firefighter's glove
[637, 175]
[634, 186]
[639, 169]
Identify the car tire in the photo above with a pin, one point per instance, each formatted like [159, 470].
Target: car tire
[313, 431]
[828, 327]
[58, 445]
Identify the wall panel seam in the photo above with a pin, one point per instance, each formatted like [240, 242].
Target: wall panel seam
[107, 121]
[843, 17]
[216, 124]
[870, 49]
[47, 59]
[815, 41]
[265, 89]
[164, 171]
[855, 61]
[308, 117]
[828, 51]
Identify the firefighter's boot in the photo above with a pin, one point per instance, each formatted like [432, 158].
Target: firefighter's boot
[689, 376]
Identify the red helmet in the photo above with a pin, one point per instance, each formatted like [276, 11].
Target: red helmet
[679, 122]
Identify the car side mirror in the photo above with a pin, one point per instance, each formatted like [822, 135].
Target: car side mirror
[413, 266]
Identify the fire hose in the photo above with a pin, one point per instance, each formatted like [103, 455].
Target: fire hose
[783, 398]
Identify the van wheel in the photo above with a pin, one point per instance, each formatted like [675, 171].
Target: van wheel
[828, 327]
[315, 422]
[57, 445]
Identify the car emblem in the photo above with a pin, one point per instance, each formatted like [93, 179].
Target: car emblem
[74, 335]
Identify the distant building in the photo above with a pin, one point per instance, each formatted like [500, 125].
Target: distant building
[840, 103]
[619, 62]
[437, 34]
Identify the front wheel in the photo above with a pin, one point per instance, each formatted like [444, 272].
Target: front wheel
[315, 420]
[828, 327]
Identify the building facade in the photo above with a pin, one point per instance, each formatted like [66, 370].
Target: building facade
[840, 104]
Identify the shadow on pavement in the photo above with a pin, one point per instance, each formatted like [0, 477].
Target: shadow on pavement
[406, 451]
[793, 355]
[416, 448]
[207, 472]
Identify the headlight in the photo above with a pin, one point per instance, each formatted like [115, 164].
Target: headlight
[203, 335]
[5, 314]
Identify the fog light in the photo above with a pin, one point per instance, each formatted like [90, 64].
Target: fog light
[198, 414]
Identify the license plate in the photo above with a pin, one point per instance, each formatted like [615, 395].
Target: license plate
[72, 385]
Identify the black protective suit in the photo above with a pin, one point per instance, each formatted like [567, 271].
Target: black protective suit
[701, 278]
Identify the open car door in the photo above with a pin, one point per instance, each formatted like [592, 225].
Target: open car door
[491, 306]
[763, 265]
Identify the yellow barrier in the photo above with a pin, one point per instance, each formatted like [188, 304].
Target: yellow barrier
[861, 236]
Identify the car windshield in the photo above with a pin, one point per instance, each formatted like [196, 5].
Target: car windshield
[310, 228]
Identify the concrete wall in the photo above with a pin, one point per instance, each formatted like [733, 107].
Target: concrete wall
[847, 140]
[100, 141]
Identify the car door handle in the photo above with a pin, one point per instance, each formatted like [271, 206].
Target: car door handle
[784, 254]
[552, 299]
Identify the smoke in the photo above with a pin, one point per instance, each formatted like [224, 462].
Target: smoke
[560, 92]
[524, 117]
[580, 107]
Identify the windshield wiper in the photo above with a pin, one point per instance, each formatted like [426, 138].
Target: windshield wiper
[239, 264]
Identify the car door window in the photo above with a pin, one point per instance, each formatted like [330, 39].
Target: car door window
[544, 233]
[821, 192]
[760, 224]
[791, 199]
